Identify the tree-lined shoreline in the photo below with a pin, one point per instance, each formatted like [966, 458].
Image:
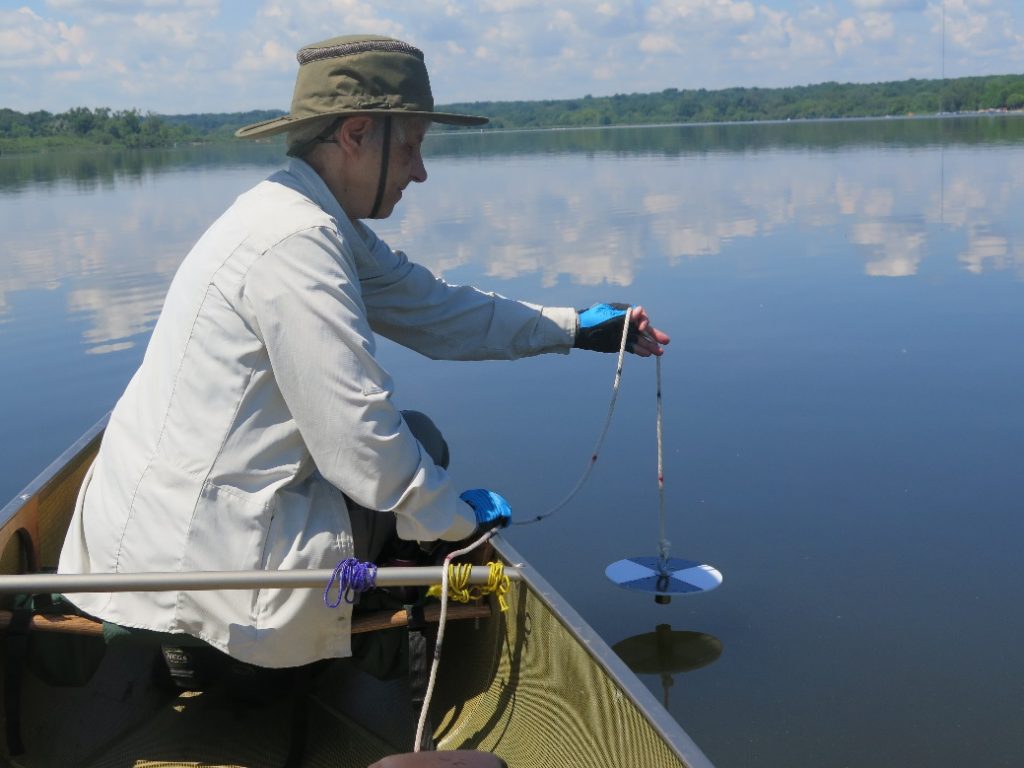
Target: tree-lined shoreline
[82, 127]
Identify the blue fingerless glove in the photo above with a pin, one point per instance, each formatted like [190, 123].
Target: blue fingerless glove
[491, 510]
[600, 328]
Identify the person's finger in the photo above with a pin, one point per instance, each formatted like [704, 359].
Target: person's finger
[658, 335]
[640, 318]
[645, 348]
[643, 324]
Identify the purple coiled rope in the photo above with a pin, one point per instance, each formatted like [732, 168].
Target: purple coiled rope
[353, 577]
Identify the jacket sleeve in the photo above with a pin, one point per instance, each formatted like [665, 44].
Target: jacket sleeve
[304, 296]
[406, 303]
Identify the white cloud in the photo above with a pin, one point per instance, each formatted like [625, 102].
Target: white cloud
[877, 26]
[788, 42]
[671, 11]
[201, 55]
[891, 5]
[847, 36]
[272, 55]
[982, 36]
[658, 44]
[511, 6]
[175, 29]
[27, 40]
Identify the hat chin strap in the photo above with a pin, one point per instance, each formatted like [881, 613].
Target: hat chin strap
[384, 156]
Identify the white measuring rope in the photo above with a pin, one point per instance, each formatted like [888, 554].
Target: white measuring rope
[442, 619]
[663, 543]
[604, 430]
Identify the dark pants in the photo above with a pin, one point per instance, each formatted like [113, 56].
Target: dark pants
[372, 531]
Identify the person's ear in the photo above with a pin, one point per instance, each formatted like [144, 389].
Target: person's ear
[354, 134]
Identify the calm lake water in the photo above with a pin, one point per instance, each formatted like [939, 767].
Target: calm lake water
[844, 420]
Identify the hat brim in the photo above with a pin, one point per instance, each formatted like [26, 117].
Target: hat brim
[289, 123]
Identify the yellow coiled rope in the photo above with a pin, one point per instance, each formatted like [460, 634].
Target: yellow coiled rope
[458, 584]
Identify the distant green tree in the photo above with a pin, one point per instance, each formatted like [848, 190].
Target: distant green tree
[80, 120]
[131, 128]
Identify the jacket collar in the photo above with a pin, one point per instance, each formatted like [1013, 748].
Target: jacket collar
[312, 186]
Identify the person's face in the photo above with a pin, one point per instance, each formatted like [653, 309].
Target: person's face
[350, 164]
[405, 164]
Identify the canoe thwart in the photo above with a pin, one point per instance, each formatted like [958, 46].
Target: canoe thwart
[370, 622]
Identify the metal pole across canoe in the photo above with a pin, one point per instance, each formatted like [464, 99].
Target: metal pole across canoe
[214, 580]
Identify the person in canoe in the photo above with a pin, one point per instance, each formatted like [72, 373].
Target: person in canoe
[259, 431]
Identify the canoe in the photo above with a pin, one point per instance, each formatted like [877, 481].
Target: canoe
[533, 685]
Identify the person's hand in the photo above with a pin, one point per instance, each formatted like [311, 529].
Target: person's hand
[490, 509]
[600, 330]
[650, 341]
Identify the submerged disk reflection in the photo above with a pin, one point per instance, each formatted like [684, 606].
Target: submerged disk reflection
[666, 652]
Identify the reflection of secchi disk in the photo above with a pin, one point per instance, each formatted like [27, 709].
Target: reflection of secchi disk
[665, 652]
[663, 578]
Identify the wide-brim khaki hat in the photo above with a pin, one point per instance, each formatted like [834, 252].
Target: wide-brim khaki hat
[358, 74]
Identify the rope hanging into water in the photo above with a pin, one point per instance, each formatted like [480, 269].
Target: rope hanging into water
[604, 429]
[498, 584]
[663, 543]
[353, 577]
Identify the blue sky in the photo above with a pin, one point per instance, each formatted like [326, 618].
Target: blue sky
[175, 56]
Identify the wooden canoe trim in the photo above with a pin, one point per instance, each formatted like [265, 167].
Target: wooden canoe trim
[80, 625]
[432, 613]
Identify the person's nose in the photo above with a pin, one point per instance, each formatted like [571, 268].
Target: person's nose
[419, 169]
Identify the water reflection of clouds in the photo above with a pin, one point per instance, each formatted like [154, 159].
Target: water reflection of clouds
[39, 258]
[985, 250]
[111, 253]
[979, 212]
[898, 248]
[591, 222]
[522, 218]
[102, 264]
[562, 217]
[681, 236]
[585, 218]
[959, 201]
[118, 315]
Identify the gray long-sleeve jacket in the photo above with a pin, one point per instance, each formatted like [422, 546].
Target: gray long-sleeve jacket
[259, 403]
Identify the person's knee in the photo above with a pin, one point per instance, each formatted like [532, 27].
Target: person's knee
[429, 436]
